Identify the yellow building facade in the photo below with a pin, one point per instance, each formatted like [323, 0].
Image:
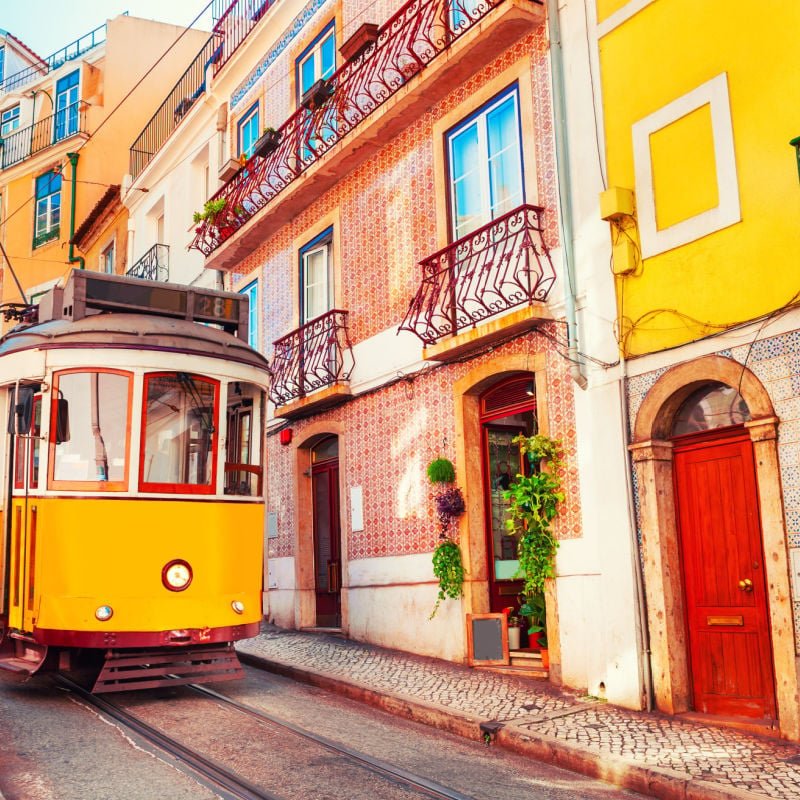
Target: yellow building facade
[703, 201]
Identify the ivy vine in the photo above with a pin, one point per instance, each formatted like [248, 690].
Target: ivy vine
[449, 570]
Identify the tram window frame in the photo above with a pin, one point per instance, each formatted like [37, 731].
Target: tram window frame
[55, 406]
[158, 487]
[27, 448]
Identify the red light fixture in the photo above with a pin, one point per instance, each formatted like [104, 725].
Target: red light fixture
[286, 436]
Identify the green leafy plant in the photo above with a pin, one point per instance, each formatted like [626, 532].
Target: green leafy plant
[441, 470]
[449, 570]
[211, 210]
[534, 609]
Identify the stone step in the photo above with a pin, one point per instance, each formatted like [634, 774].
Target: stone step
[519, 671]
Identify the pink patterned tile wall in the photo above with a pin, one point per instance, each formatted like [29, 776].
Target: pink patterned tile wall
[389, 438]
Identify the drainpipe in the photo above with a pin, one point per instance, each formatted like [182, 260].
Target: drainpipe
[565, 190]
[73, 259]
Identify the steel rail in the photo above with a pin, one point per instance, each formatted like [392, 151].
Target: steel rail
[376, 765]
[211, 774]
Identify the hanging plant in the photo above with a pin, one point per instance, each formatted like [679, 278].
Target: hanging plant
[533, 505]
[449, 507]
[449, 570]
[441, 470]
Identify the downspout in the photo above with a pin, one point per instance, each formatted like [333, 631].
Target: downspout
[565, 190]
[73, 259]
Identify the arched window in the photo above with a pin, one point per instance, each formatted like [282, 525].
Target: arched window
[714, 405]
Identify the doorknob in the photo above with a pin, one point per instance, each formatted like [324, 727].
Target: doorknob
[746, 585]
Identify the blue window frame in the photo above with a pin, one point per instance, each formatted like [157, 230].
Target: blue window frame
[248, 131]
[9, 120]
[48, 208]
[317, 61]
[316, 276]
[66, 123]
[485, 167]
[251, 293]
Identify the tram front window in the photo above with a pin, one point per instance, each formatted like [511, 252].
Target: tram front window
[179, 433]
[95, 452]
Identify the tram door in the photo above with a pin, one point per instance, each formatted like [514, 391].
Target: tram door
[23, 519]
[327, 536]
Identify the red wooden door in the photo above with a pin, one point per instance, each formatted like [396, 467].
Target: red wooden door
[327, 542]
[730, 654]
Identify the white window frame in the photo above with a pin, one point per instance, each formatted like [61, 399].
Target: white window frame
[47, 200]
[8, 124]
[244, 124]
[251, 293]
[325, 247]
[316, 54]
[112, 248]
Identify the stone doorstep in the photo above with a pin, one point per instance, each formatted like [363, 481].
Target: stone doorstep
[657, 782]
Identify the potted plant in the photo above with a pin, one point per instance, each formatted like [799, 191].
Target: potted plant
[316, 94]
[211, 210]
[267, 142]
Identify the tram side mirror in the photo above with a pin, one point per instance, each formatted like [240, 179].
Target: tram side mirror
[62, 420]
[21, 416]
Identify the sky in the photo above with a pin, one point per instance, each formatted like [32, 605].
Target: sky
[48, 25]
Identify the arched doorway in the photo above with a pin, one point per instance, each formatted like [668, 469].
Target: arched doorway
[721, 555]
[656, 451]
[326, 532]
[507, 410]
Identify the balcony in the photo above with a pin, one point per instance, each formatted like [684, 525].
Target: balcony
[311, 366]
[477, 281]
[26, 142]
[73, 50]
[153, 265]
[420, 55]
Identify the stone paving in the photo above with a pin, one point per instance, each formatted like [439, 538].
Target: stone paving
[760, 765]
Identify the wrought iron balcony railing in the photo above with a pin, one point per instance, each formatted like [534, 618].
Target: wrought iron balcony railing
[405, 45]
[153, 265]
[500, 266]
[25, 142]
[235, 24]
[72, 51]
[314, 356]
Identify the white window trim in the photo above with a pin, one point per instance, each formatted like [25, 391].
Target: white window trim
[109, 245]
[621, 15]
[316, 54]
[728, 211]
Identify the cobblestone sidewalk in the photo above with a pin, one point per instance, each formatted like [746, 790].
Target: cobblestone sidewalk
[672, 757]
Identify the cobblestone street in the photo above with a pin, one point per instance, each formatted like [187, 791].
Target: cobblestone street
[591, 736]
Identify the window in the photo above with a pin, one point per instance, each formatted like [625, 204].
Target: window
[485, 165]
[179, 433]
[27, 450]
[251, 293]
[243, 472]
[248, 131]
[317, 61]
[67, 106]
[9, 120]
[316, 276]
[107, 259]
[48, 207]
[89, 430]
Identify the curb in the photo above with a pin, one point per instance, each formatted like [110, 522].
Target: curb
[657, 782]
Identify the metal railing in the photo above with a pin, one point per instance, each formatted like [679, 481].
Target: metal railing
[153, 265]
[500, 266]
[23, 143]
[72, 51]
[406, 44]
[316, 355]
[234, 26]
[190, 86]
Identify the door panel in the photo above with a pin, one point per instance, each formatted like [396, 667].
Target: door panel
[730, 652]
[327, 543]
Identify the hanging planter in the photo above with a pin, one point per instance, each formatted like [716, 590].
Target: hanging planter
[316, 94]
[267, 143]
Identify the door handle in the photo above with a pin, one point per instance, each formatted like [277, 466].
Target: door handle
[333, 576]
[746, 585]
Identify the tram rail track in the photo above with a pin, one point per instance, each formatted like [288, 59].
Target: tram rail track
[227, 783]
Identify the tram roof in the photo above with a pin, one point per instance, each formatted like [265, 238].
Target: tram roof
[131, 332]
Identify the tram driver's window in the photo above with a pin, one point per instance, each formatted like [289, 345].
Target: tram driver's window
[96, 449]
[179, 441]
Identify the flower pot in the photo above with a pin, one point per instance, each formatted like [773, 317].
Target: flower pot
[317, 94]
[513, 638]
[267, 143]
[545, 654]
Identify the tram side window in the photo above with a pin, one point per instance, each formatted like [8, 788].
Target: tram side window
[243, 472]
[179, 441]
[26, 456]
[95, 449]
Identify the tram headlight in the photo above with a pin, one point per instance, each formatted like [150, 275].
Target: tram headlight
[104, 613]
[238, 606]
[177, 575]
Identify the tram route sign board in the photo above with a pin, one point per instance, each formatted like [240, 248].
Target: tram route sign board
[487, 639]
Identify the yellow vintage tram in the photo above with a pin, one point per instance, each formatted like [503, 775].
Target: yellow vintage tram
[133, 517]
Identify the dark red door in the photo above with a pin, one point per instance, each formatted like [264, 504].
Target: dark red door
[327, 542]
[730, 654]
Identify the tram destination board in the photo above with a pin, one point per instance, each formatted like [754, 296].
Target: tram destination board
[100, 292]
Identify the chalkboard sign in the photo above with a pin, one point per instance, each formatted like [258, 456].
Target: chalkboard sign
[487, 639]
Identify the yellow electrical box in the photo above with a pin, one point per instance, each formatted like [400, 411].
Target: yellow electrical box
[616, 202]
[624, 256]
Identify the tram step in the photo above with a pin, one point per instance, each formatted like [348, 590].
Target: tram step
[125, 670]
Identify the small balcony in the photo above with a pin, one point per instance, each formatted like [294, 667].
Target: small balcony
[26, 142]
[423, 52]
[311, 366]
[484, 287]
[153, 265]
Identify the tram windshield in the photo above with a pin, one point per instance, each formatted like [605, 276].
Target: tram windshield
[179, 441]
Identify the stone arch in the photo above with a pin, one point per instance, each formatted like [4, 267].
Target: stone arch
[652, 456]
[305, 598]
